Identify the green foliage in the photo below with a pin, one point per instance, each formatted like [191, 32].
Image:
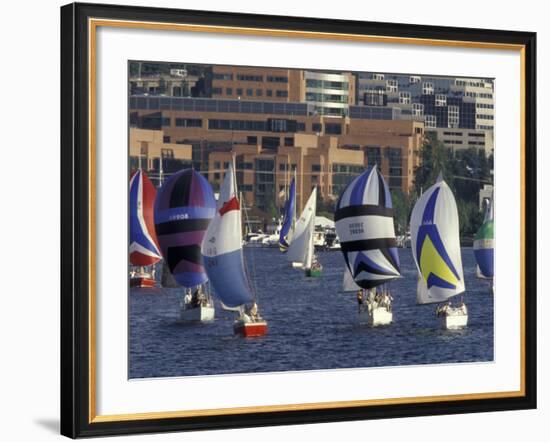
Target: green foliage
[402, 208]
[464, 170]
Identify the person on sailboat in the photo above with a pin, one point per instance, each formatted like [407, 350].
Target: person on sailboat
[187, 299]
[444, 310]
[360, 299]
[253, 312]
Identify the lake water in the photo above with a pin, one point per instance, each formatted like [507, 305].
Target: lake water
[312, 325]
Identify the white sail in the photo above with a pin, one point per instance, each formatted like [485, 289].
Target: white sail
[301, 248]
[435, 244]
[222, 248]
[348, 284]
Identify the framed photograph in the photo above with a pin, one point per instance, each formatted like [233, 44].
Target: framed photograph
[274, 220]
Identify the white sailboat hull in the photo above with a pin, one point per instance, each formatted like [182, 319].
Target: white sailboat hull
[200, 313]
[375, 317]
[454, 321]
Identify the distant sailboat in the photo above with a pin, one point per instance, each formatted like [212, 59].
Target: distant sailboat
[184, 207]
[435, 244]
[144, 249]
[287, 229]
[301, 249]
[224, 261]
[484, 244]
[364, 224]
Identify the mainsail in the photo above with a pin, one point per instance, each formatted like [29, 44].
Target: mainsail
[144, 248]
[364, 224]
[285, 234]
[222, 248]
[435, 244]
[184, 207]
[484, 244]
[301, 248]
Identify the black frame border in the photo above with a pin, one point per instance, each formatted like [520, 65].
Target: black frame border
[75, 220]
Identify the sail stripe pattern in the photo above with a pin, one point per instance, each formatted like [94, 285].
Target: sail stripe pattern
[144, 249]
[484, 244]
[221, 248]
[364, 224]
[436, 245]
[184, 208]
[290, 207]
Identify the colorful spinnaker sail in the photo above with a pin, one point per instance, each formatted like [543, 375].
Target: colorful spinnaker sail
[484, 244]
[435, 244]
[301, 248]
[285, 234]
[222, 248]
[184, 207]
[144, 249]
[364, 224]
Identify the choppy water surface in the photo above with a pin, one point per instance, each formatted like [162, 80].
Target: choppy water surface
[312, 325]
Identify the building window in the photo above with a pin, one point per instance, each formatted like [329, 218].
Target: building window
[165, 121]
[144, 148]
[404, 97]
[248, 77]
[333, 128]
[316, 168]
[453, 116]
[276, 79]
[430, 121]
[239, 91]
[217, 165]
[440, 100]
[166, 139]
[217, 175]
[377, 76]
[316, 127]
[188, 122]
[418, 109]
[414, 79]
[269, 92]
[249, 92]
[251, 140]
[229, 91]
[282, 94]
[289, 141]
[427, 88]
[167, 153]
[216, 90]
[222, 76]
[374, 156]
[259, 92]
[391, 86]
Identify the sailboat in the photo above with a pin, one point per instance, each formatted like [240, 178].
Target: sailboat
[144, 249]
[184, 207]
[484, 244]
[224, 261]
[285, 234]
[435, 245]
[364, 224]
[301, 249]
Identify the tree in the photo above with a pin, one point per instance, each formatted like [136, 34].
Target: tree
[464, 170]
[401, 210]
